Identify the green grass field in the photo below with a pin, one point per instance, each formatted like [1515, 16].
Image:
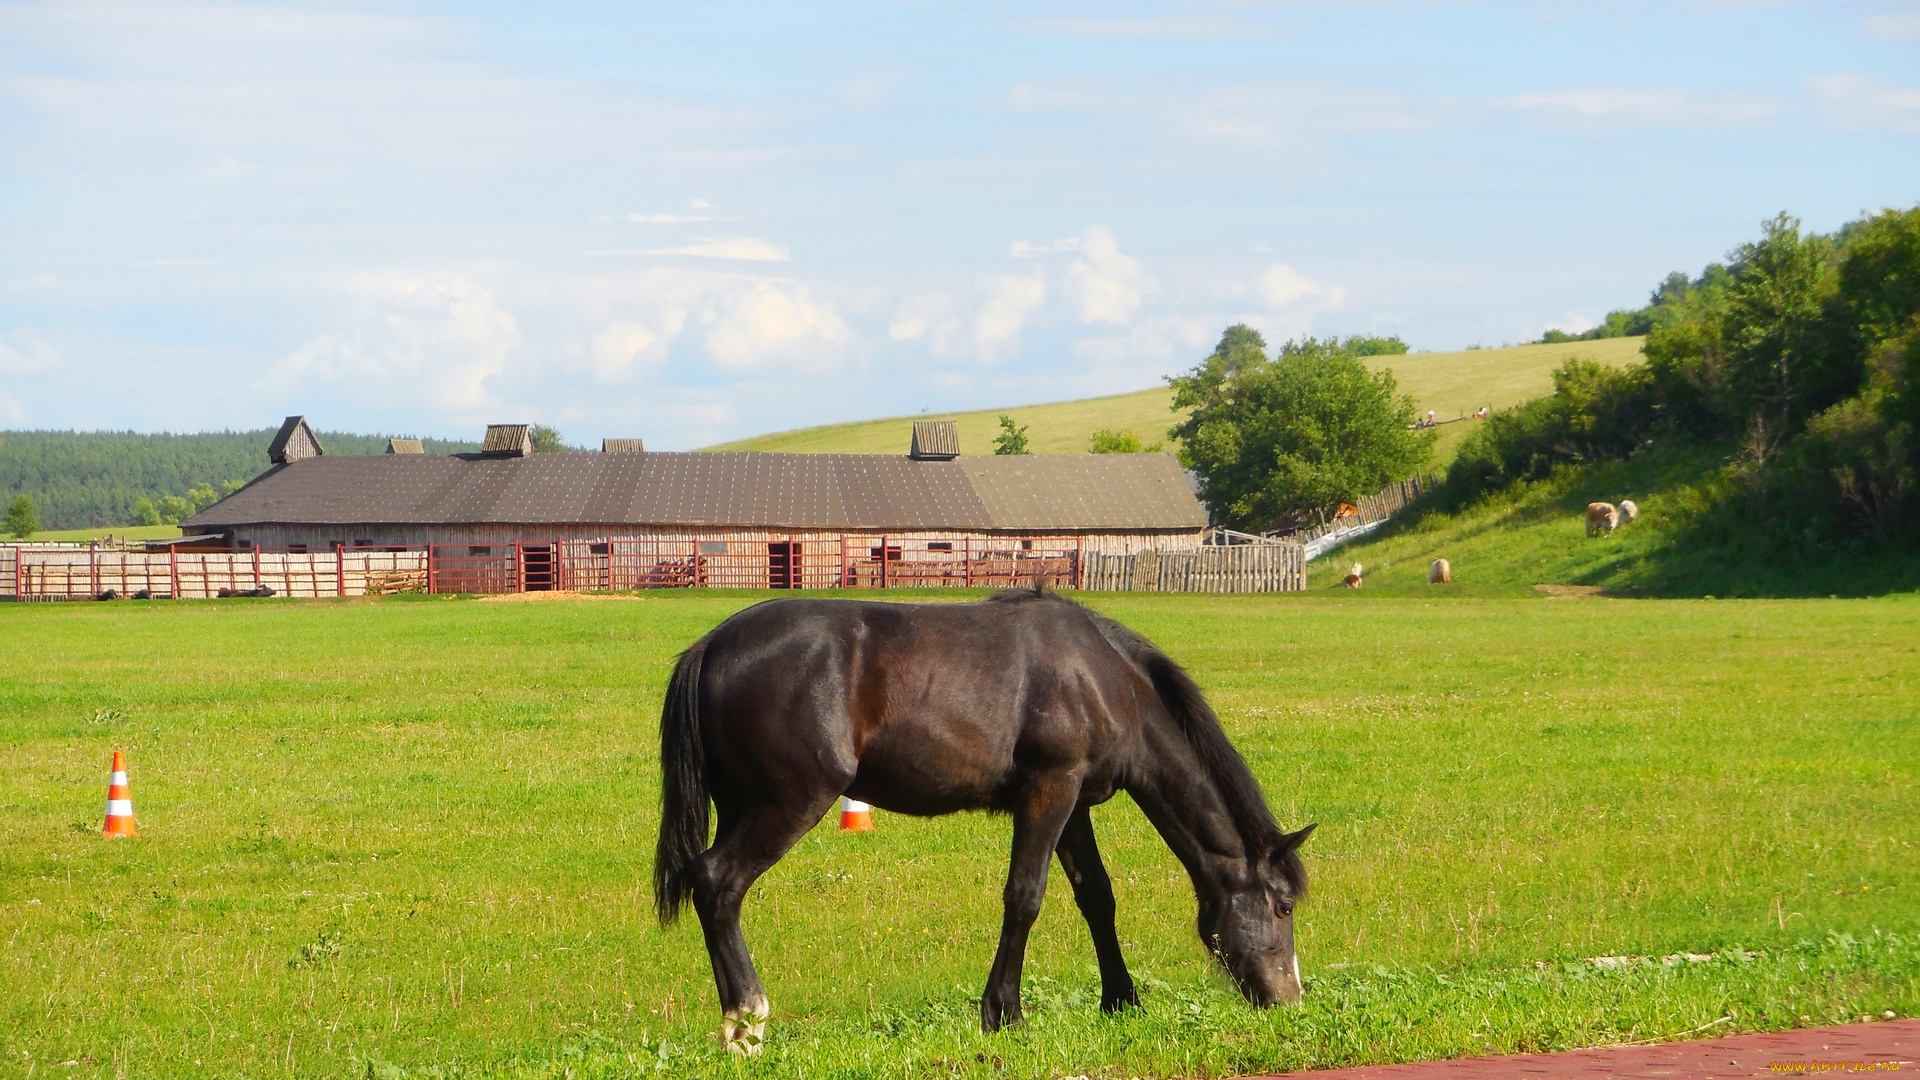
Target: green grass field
[411, 837]
[1452, 384]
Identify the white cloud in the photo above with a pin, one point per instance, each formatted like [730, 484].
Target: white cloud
[1572, 323]
[415, 339]
[925, 317]
[1009, 301]
[1656, 106]
[622, 349]
[1864, 101]
[1107, 285]
[1897, 26]
[24, 357]
[1021, 249]
[11, 410]
[744, 248]
[1282, 286]
[775, 325]
[665, 219]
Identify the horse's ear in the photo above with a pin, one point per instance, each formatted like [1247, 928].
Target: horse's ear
[1292, 841]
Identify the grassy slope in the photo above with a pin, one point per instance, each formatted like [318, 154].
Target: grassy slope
[1536, 534]
[119, 532]
[419, 832]
[1453, 384]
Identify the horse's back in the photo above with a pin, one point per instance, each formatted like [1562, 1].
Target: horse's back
[919, 708]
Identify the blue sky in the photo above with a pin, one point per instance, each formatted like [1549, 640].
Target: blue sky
[693, 223]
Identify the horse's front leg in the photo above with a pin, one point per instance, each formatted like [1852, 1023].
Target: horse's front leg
[1037, 823]
[1093, 892]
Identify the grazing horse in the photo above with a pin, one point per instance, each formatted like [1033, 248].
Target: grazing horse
[1027, 704]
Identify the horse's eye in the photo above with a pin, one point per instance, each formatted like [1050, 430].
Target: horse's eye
[1283, 908]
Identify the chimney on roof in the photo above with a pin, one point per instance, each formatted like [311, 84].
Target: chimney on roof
[623, 446]
[935, 440]
[508, 440]
[294, 442]
[405, 446]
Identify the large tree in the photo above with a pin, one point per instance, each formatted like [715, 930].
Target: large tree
[1273, 438]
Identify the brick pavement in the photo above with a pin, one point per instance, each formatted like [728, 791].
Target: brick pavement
[1827, 1051]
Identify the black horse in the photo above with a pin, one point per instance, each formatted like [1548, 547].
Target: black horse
[1026, 703]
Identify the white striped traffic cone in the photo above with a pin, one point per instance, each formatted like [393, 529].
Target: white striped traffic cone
[119, 801]
[855, 816]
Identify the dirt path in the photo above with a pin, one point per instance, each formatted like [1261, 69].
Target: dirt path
[1856, 1049]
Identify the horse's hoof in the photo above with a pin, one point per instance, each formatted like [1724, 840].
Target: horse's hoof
[745, 1030]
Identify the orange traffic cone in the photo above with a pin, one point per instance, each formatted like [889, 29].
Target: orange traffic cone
[855, 816]
[119, 801]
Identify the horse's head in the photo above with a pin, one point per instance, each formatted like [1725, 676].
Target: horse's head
[1249, 924]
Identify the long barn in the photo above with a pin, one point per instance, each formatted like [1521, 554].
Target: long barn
[508, 518]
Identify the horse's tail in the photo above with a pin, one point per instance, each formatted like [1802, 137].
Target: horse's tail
[683, 787]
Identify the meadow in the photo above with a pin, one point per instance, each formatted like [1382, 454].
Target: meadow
[1453, 384]
[411, 836]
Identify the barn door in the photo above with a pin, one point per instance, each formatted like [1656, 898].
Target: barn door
[538, 566]
[783, 565]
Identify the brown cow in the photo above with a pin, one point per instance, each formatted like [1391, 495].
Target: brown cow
[1602, 517]
[1353, 577]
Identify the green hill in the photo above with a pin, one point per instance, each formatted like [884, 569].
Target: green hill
[1682, 543]
[1453, 384]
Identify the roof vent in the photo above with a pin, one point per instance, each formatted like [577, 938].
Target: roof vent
[508, 440]
[623, 446]
[294, 442]
[935, 440]
[405, 446]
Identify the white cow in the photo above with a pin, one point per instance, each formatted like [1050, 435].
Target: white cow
[1440, 573]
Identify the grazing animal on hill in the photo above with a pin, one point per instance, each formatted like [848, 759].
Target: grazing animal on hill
[1628, 510]
[1353, 577]
[1440, 573]
[1026, 703]
[1602, 518]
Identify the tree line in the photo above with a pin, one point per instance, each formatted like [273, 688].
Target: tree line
[107, 479]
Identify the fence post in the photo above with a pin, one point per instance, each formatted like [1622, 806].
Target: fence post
[968, 554]
[885, 553]
[256, 566]
[519, 568]
[340, 568]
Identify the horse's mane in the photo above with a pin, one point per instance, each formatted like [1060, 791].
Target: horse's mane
[1246, 803]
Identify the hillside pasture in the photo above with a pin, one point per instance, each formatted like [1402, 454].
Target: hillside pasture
[1453, 384]
[412, 836]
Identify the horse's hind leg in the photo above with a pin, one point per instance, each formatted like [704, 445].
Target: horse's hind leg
[1093, 893]
[1037, 821]
[748, 841]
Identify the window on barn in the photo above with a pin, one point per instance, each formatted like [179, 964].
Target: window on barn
[297, 549]
[940, 545]
[713, 547]
[479, 549]
[598, 549]
[363, 542]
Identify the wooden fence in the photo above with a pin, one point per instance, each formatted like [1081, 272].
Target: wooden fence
[1367, 515]
[80, 572]
[1235, 568]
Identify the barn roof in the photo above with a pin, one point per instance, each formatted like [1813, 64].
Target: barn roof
[802, 491]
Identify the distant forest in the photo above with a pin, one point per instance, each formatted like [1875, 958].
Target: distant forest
[104, 479]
